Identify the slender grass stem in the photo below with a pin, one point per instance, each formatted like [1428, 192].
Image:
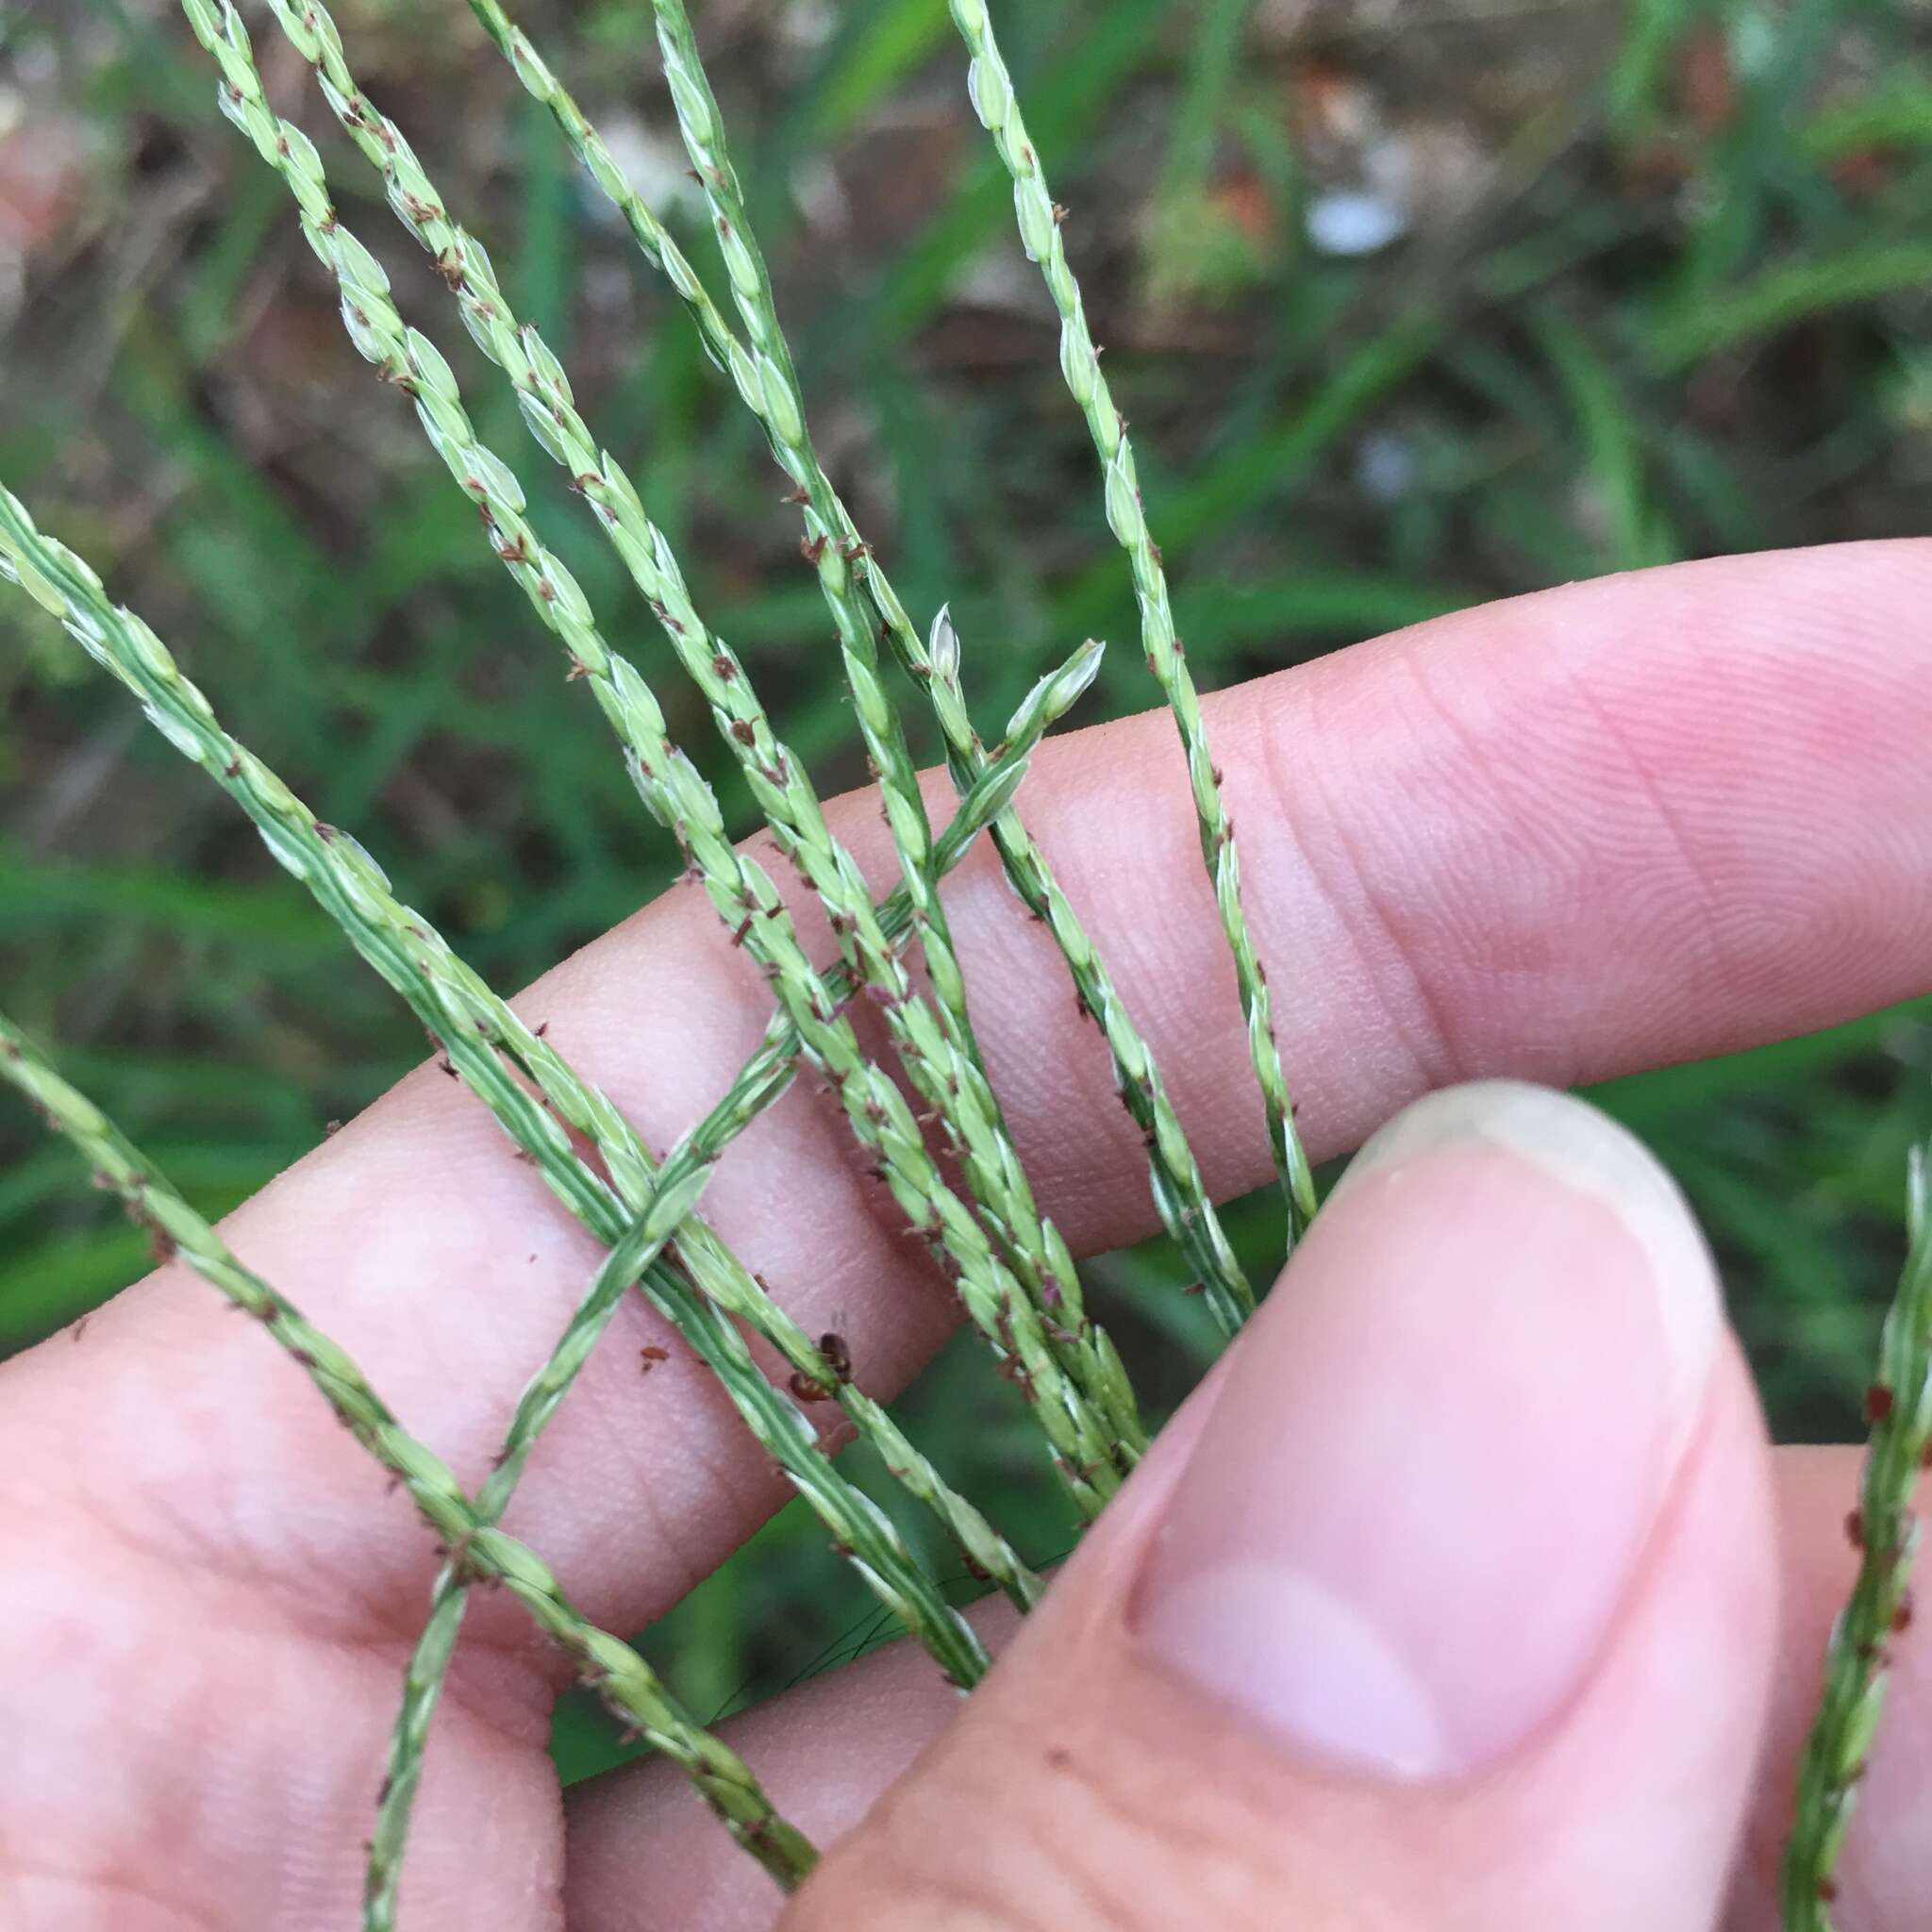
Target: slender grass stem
[1885, 1531]
[428, 1665]
[938, 1053]
[488, 1046]
[479, 1549]
[676, 794]
[1041, 219]
[1180, 1192]
[1031, 1245]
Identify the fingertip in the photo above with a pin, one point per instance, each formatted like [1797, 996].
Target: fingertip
[1577, 1146]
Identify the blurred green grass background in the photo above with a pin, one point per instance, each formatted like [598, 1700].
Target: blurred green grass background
[1651, 285]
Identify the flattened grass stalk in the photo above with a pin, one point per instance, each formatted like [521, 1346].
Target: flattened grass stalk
[621, 1677]
[1084, 1452]
[1899, 1405]
[1180, 1192]
[953, 1086]
[1030, 1243]
[485, 1040]
[1039, 220]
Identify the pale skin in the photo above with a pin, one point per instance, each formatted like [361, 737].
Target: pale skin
[1608, 827]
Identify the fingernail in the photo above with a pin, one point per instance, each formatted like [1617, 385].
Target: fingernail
[1403, 1535]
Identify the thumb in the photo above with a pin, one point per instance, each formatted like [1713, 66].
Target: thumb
[1453, 1609]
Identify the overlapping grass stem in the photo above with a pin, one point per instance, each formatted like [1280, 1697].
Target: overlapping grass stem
[488, 1046]
[478, 1548]
[476, 1028]
[1089, 1457]
[936, 1048]
[1181, 1194]
[1029, 1241]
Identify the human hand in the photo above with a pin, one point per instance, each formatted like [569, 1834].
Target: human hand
[1489, 1460]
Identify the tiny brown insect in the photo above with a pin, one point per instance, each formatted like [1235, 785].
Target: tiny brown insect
[651, 1355]
[837, 1356]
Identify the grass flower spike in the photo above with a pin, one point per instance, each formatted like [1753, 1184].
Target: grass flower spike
[1040, 219]
[1887, 1533]
[1179, 1193]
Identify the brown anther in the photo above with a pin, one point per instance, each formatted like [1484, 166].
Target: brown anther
[1854, 1530]
[722, 666]
[812, 548]
[742, 928]
[1879, 1403]
[743, 731]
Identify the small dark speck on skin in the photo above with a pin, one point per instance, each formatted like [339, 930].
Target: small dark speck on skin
[1059, 1759]
[533, 1257]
